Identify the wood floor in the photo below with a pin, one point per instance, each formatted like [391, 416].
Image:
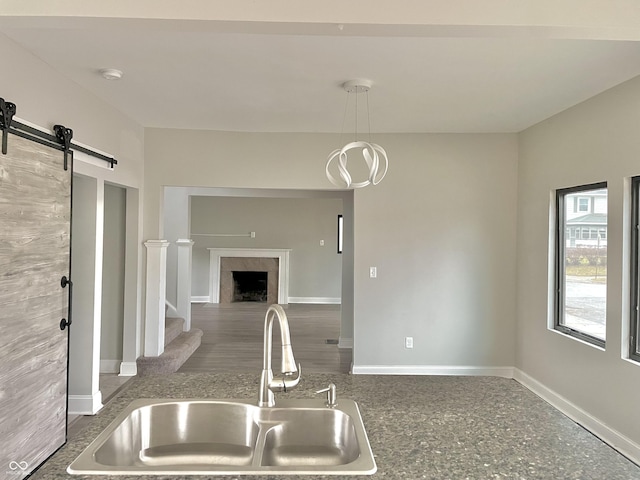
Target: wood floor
[233, 338]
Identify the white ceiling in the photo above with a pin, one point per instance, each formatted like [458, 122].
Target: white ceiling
[206, 75]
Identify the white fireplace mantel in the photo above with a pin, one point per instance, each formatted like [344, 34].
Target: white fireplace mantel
[282, 254]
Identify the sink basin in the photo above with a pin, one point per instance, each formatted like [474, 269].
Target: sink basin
[181, 433]
[305, 437]
[181, 437]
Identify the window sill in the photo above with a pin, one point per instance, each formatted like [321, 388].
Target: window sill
[632, 361]
[577, 339]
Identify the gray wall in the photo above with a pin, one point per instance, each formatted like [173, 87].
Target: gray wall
[46, 97]
[298, 224]
[113, 275]
[592, 142]
[175, 226]
[440, 228]
[82, 360]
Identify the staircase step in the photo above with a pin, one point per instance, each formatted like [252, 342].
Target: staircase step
[172, 328]
[175, 354]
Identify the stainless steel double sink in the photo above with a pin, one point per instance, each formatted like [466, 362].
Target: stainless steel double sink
[217, 437]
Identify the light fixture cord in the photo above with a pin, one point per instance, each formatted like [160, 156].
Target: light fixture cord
[356, 132]
[368, 116]
[344, 118]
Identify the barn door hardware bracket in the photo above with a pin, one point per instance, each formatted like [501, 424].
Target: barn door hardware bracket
[64, 323]
[7, 111]
[59, 140]
[64, 136]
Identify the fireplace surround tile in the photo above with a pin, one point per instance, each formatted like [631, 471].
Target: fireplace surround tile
[228, 265]
[223, 261]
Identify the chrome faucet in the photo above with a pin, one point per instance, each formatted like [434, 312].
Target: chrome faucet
[268, 384]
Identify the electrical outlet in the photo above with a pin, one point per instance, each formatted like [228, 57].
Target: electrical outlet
[322, 243]
[373, 272]
[408, 342]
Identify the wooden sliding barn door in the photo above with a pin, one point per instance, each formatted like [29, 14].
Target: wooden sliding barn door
[35, 215]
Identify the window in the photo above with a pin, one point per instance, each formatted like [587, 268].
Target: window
[634, 343]
[583, 204]
[581, 264]
[340, 233]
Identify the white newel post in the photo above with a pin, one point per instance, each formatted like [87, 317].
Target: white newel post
[156, 297]
[184, 281]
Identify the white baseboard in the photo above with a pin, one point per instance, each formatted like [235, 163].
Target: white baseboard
[615, 439]
[506, 372]
[110, 366]
[345, 343]
[128, 369]
[85, 404]
[201, 299]
[172, 312]
[319, 300]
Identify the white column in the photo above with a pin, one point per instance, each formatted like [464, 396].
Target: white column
[156, 296]
[184, 281]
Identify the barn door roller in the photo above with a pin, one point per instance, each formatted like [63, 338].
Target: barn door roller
[64, 136]
[7, 111]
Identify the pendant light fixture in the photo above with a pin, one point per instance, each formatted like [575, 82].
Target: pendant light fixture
[373, 154]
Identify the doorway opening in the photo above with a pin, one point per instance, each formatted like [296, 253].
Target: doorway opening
[302, 222]
[113, 277]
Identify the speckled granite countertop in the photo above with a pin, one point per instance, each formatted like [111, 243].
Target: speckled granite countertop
[419, 427]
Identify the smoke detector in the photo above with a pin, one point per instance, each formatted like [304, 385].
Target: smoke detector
[111, 74]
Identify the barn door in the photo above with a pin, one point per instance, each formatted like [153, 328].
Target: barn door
[35, 214]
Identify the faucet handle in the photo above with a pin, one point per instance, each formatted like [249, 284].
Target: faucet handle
[281, 384]
[332, 395]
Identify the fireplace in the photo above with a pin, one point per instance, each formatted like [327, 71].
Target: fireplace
[225, 261]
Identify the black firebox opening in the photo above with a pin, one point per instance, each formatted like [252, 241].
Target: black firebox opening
[250, 286]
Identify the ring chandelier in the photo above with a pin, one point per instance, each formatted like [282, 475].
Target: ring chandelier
[373, 154]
